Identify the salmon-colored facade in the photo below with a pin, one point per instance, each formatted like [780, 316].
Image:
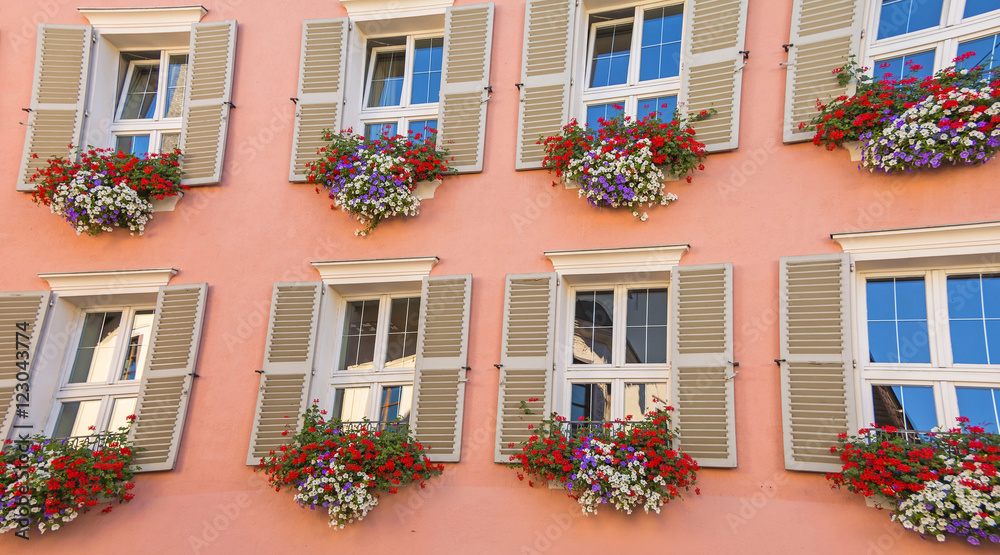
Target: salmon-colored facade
[751, 206]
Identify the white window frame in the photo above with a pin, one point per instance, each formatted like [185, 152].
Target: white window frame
[406, 112]
[632, 91]
[944, 39]
[158, 125]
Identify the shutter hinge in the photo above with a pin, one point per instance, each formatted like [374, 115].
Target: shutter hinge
[350, 25]
[194, 374]
[854, 363]
[230, 104]
[498, 366]
[93, 38]
[52, 301]
[862, 33]
[852, 267]
[778, 361]
[259, 371]
[294, 99]
[466, 368]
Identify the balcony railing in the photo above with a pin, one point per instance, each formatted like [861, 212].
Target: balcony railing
[94, 442]
[374, 425]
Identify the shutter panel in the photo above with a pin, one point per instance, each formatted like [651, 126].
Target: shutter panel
[206, 101]
[545, 74]
[468, 41]
[701, 352]
[58, 92]
[824, 33]
[321, 89]
[166, 384]
[527, 356]
[442, 352]
[14, 309]
[711, 76]
[288, 366]
[817, 378]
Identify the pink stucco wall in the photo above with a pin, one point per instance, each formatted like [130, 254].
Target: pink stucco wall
[750, 207]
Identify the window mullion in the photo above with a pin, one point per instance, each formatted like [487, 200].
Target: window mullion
[633, 61]
[408, 56]
[618, 329]
[161, 88]
[381, 333]
[938, 325]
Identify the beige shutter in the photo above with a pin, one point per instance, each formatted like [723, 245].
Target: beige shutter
[288, 366]
[824, 33]
[545, 76]
[527, 351]
[16, 308]
[59, 89]
[818, 400]
[207, 101]
[170, 366]
[711, 76]
[321, 89]
[465, 76]
[701, 362]
[442, 352]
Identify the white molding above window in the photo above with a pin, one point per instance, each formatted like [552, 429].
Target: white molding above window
[157, 20]
[380, 270]
[951, 240]
[616, 261]
[116, 282]
[374, 10]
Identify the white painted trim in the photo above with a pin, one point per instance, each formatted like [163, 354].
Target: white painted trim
[425, 189]
[951, 240]
[115, 282]
[131, 20]
[373, 10]
[383, 270]
[608, 261]
[167, 204]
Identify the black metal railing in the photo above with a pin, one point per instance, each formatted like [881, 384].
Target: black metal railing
[94, 442]
[600, 429]
[374, 425]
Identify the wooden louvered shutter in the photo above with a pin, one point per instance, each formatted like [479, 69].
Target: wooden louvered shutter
[170, 367]
[824, 33]
[16, 308]
[710, 76]
[545, 75]
[321, 89]
[59, 89]
[442, 352]
[288, 366]
[817, 381]
[527, 350]
[468, 42]
[207, 101]
[701, 354]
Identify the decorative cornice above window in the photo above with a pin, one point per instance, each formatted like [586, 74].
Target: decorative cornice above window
[634, 260]
[117, 282]
[162, 19]
[950, 240]
[374, 10]
[381, 270]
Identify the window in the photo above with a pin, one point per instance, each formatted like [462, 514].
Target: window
[402, 86]
[933, 346]
[150, 105]
[633, 62]
[916, 37]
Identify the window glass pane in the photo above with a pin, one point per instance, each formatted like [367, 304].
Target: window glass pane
[135, 355]
[358, 352]
[176, 76]
[905, 407]
[76, 418]
[979, 405]
[898, 17]
[169, 142]
[984, 52]
[591, 401]
[664, 106]
[976, 7]
[897, 320]
[350, 403]
[97, 344]
[661, 43]
[975, 337]
[646, 326]
[120, 411]
[643, 398]
[375, 131]
[426, 70]
[609, 62]
[387, 79]
[396, 401]
[423, 129]
[133, 144]
[401, 347]
[919, 65]
[592, 327]
[596, 112]
[140, 96]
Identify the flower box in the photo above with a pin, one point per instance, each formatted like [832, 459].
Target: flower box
[853, 148]
[166, 204]
[425, 189]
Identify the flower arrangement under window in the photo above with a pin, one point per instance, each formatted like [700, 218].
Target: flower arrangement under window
[46, 483]
[623, 163]
[107, 188]
[906, 124]
[375, 180]
[343, 467]
[625, 464]
[937, 483]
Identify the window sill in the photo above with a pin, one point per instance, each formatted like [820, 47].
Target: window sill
[166, 204]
